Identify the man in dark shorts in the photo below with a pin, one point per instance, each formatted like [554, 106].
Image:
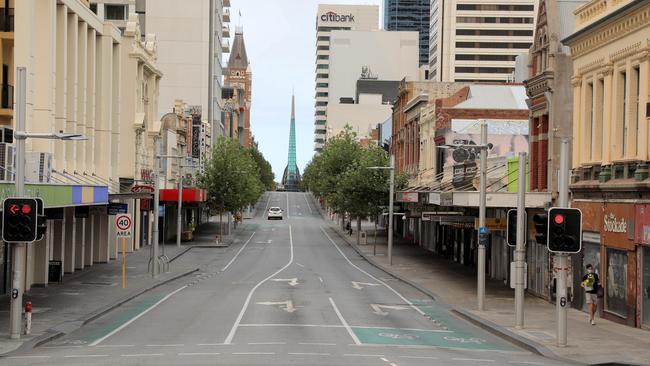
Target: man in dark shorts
[591, 282]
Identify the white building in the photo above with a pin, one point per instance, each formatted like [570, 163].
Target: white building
[329, 18]
[478, 40]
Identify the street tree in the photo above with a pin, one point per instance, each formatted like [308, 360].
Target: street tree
[267, 178]
[231, 177]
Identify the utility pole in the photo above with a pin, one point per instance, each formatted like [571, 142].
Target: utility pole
[483, 234]
[561, 260]
[179, 225]
[520, 250]
[156, 209]
[18, 249]
[390, 209]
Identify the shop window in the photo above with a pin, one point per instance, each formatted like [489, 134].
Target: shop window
[616, 285]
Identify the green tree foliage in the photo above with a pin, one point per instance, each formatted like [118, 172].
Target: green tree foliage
[231, 177]
[267, 178]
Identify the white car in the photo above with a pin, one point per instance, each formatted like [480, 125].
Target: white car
[275, 213]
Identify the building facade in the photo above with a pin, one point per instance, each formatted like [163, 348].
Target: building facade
[239, 75]
[475, 41]
[410, 15]
[329, 18]
[611, 75]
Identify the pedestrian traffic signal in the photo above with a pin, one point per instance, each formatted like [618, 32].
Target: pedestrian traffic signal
[541, 228]
[564, 230]
[19, 220]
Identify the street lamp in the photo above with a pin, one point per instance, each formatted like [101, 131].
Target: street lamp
[18, 261]
[390, 205]
[483, 233]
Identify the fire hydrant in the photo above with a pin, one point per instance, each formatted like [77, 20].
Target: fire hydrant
[28, 317]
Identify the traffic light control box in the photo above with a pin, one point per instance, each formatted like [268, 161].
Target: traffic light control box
[19, 220]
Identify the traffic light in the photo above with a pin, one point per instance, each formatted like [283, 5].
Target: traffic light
[19, 220]
[564, 230]
[541, 228]
[511, 233]
[41, 219]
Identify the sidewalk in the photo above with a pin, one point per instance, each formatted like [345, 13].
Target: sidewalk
[83, 296]
[455, 285]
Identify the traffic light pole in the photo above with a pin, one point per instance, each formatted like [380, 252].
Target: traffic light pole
[561, 260]
[18, 249]
[520, 250]
[480, 288]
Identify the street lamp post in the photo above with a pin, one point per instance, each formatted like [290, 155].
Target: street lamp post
[179, 226]
[18, 260]
[390, 205]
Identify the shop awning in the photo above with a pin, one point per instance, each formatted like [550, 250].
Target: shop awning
[493, 199]
[190, 195]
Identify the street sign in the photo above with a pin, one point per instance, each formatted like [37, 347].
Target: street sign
[19, 220]
[117, 208]
[123, 223]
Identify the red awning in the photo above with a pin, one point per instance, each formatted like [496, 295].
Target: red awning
[189, 195]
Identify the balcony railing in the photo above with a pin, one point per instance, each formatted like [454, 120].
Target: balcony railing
[7, 97]
[6, 20]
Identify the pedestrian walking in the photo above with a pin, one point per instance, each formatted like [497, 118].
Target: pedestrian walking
[348, 227]
[591, 283]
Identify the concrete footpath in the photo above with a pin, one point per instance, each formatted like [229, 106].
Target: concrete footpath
[83, 296]
[455, 284]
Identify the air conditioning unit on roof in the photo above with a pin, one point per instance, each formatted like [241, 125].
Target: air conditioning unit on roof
[38, 167]
[7, 161]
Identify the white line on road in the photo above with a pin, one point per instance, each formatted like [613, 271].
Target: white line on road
[360, 355]
[142, 355]
[293, 325]
[316, 344]
[421, 357]
[115, 345]
[308, 354]
[26, 357]
[253, 353]
[300, 265]
[198, 354]
[345, 323]
[236, 255]
[310, 210]
[81, 356]
[136, 317]
[165, 345]
[384, 359]
[265, 343]
[472, 359]
[320, 279]
[412, 329]
[231, 334]
[371, 276]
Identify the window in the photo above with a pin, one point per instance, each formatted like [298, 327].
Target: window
[622, 112]
[515, 45]
[322, 85]
[323, 57]
[115, 12]
[324, 38]
[322, 66]
[590, 118]
[599, 117]
[464, 57]
[93, 8]
[322, 76]
[635, 108]
[616, 282]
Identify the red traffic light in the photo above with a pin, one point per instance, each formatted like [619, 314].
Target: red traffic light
[13, 209]
[558, 219]
[26, 209]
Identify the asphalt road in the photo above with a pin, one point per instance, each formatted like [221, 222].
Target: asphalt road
[288, 292]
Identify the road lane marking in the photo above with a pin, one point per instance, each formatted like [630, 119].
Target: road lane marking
[358, 286]
[115, 345]
[316, 344]
[98, 341]
[411, 329]
[253, 353]
[360, 355]
[377, 308]
[472, 359]
[26, 357]
[142, 355]
[421, 357]
[231, 334]
[308, 205]
[384, 359]
[308, 354]
[320, 279]
[371, 276]
[293, 325]
[82, 356]
[198, 354]
[236, 255]
[265, 343]
[300, 265]
[164, 345]
[345, 323]
[290, 281]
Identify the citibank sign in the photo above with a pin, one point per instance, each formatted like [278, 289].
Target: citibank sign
[333, 17]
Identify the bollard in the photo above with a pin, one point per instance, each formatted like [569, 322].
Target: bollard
[28, 318]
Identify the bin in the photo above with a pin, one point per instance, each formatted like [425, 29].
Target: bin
[363, 240]
[55, 271]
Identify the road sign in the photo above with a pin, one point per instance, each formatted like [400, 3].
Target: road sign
[123, 223]
[511, 233]
[117, 208]
[19, 220]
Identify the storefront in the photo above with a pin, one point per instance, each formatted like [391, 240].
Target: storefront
[642, 238]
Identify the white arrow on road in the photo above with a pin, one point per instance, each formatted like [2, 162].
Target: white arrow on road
[288, 305]
[377, 308]
[291, 281]
[358, 286]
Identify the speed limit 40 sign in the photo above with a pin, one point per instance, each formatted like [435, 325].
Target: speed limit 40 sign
[123, 224]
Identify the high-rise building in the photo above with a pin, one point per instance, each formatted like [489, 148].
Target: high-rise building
[409, 15]
[477, 40]
[329, 18]
[239, 76]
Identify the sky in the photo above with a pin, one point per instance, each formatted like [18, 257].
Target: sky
[280, 37]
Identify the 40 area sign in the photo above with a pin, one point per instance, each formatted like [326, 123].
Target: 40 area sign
[123, 223]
